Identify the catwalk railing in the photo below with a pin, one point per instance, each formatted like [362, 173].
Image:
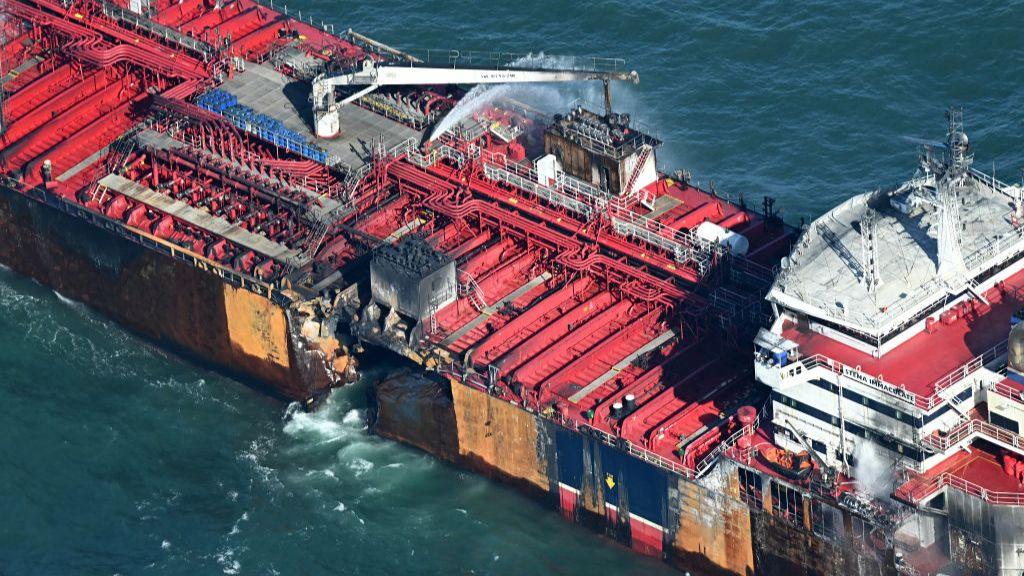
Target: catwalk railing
[711, 457]
[899, 392]
[586, 201]
[454, 371]
[962, 432]
[631, 448]
[917, 489]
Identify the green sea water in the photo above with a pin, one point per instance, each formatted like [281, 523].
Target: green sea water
[116, 458]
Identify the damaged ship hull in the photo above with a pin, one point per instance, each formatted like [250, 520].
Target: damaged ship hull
[728, 523]
[168, 296]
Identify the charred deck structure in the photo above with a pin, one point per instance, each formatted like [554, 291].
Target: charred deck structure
[257, 193]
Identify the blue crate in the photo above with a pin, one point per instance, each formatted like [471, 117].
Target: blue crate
[263, 126]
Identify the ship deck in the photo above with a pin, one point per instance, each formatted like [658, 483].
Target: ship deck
[978, 472]
[270, 92]
[826, 275]
[971, 334]
[575, 347]
[570, 304]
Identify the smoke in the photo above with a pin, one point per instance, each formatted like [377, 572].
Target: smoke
[872, 471]
[550, 98]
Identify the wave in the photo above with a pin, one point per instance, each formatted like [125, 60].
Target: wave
[227, 561]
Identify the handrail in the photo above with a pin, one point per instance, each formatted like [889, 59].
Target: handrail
[900, 392]
[723, 445]
[585, 200]
[969, 367]
[471, 288]
[837, 367]
[962, 431]
[1008, 392]
[920, 491]
[631, 448]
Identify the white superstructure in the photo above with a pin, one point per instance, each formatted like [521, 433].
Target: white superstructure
[891, 316]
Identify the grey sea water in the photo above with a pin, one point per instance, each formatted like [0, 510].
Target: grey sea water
[116, 458]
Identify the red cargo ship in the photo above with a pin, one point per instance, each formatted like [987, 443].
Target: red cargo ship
[261, 194]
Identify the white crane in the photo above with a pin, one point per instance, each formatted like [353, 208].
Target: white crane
[373, 75]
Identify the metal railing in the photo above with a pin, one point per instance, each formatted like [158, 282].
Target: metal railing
[1008, 392]
[600, 197]
[685, 245]
[550, 195]
[710, 458]
[634, 450]
[658, 460]
[115, 12]
[470, 288]
[922, 489]
[971, 366]
[958, 434]
[940, 385]
[296, 15]
[530, 60]
[586, 200]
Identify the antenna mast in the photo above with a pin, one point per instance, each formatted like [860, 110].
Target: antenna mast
[948, 188]
[869, 260]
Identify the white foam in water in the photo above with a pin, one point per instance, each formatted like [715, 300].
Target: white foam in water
[235, 529]
[257, 449]
[227, 561]
[360, 466]
[354, 416]
[291, 410]
[317, 424]
[166, 544]
[67, 300]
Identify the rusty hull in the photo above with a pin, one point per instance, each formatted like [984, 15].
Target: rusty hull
[172, 302]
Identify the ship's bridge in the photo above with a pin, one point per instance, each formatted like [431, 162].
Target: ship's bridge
[892, 316]
[878, 263]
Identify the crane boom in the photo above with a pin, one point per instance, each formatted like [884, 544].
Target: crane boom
[372, 75]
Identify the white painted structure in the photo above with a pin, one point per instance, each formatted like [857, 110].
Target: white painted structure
[873, 273]
[372, 76]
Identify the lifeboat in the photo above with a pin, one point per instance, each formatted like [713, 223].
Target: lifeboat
[794, 466]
